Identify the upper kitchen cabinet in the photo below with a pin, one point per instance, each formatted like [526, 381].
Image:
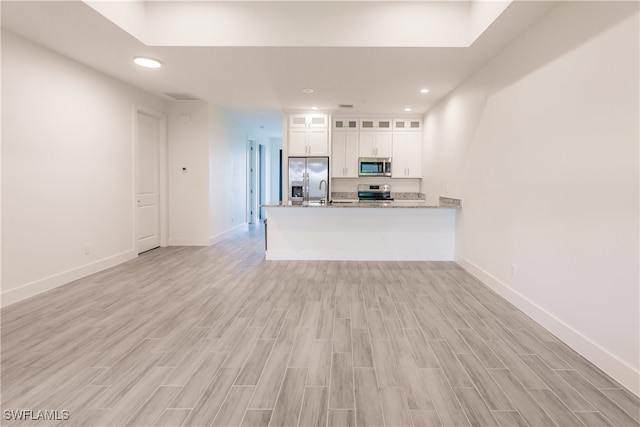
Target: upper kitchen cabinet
[407, 155]
[410, 124]
[308, 142]
[308, 121]
[344, 154]
[341, 123]
[376, 124]
[308, 135]
[375, 144]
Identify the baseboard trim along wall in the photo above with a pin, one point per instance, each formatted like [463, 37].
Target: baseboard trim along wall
[39, 286]
[360, 255]
[221, 236]
[609, 363]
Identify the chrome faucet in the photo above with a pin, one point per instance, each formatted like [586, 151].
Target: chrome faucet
[324, 194]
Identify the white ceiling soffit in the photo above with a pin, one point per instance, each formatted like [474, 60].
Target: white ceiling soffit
[303, 23]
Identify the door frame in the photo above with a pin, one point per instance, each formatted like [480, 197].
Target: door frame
[163, 190]
[263, 179]
[252, 181]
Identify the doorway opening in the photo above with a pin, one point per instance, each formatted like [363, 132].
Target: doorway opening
[264, 177]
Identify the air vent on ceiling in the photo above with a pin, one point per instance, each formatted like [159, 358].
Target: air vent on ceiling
[182, 96]
[345, 106]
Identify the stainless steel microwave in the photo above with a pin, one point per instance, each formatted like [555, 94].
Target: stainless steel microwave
[374, 166]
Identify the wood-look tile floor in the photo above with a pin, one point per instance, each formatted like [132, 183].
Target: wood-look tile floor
[216, 336]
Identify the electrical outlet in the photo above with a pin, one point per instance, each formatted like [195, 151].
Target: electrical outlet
[514, 270]
[87, 249]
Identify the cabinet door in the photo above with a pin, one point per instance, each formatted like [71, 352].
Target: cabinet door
[368, 124]
[399, 159]
[383, 144]
[367, 144]
[351, 155]
[317, 142]
[341, 123]
[414, 155]
[384, 124]
[407, 155]
[407, 124]
[338, 154]
[298, 121]
[317, 121]
[298, 142]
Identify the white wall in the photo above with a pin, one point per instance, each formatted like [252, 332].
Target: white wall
[228, 174]
[188, 191]
[542, 147]
[68, 177]
[67, 169]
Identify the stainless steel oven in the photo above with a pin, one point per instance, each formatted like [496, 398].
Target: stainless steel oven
[374, 193]
[374, 166]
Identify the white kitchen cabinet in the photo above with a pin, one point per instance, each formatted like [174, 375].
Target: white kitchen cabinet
[308, 142]
[308, 135]
[343, 123]
[318, 142]
[344, 154]
[375, 144]
[298, 142]
[407, 155]
[376, 124]
[407, 124]
[308, 121]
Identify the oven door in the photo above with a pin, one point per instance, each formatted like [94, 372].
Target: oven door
[370, 166]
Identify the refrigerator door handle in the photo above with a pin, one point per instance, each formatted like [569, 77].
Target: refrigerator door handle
[306, 187]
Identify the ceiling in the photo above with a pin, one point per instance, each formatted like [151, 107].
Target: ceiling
[374, 55]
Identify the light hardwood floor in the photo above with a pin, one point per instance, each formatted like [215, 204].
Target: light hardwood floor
[201, 336]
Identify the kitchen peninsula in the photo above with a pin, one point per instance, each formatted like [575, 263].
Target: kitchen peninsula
[329, 158]
[401, 230]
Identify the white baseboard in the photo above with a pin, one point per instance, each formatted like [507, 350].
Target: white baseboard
[592, 351]
[221, 236]
[434, 255]
[34, 288]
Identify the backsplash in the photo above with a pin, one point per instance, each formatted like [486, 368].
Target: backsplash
[341, 195]
[348, 185]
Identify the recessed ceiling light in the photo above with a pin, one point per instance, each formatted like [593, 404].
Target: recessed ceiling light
[308, 90]
[147, 62]
[424, 90]
[314, 108]
[407, 109]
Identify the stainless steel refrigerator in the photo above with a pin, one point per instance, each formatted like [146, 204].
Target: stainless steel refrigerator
[306, 176]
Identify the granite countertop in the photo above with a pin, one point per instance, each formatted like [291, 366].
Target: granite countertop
[445, 203]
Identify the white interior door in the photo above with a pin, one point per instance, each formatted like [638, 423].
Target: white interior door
[148, 210]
